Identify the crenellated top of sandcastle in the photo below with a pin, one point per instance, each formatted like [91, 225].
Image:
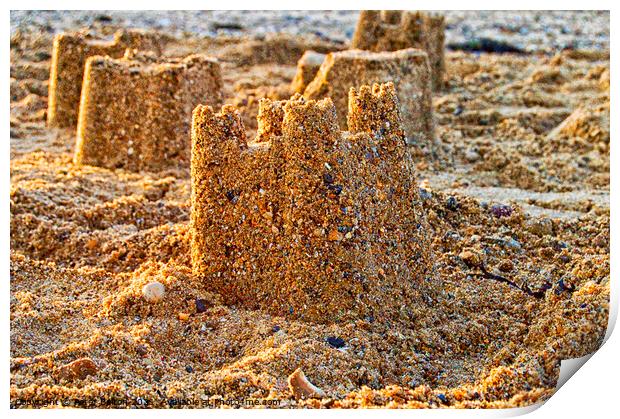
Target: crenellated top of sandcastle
[308, 220]
[373, 110]
[70, 52]
[122, 39]
[161, 92]
[147, 63]
[393, 30]
[407, 69]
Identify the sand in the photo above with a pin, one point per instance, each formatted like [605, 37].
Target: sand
[518, 213]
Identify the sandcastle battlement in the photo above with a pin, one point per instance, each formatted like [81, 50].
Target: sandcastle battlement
[135, 112]
[392, 30]
[408, 69]
[307, 220]
[375, 110]
[70, 52]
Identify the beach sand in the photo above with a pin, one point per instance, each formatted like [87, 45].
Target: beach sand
[517, 204]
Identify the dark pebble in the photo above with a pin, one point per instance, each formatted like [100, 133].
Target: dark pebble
[458, 110]
[452, 204]
[232, 196]
[201, 305]
[424, 194]
[335, 342]
[103, 18]
[141, 350]
[486, 45]
[336, 189]
[328, 179]
[189, 368]
[564, 258]
[42, 56]
[275, 328]
[561, 287]
[231, 26]
[442, 397]
[344, 229]
[501, 210]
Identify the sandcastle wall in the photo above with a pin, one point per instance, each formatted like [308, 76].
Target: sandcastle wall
[392, 30]
[408, 69]
[309, 222]
[307, 67]
[70, 52]
[136, 112]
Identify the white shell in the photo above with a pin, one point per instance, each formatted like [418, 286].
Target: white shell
[302, 388]
[153, 292]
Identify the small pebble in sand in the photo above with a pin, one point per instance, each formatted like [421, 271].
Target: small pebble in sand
[540, 227]
[302, 388]
[452, 204]
[78, 369]
[335, 342]
[201, 305]
[153, 292]
[425, 194]
[505, 265]
[470, 258]
[472, 156]
[501, 210]
[183, 317]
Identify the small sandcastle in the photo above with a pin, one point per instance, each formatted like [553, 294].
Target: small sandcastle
[309, 221]
[408, 69]
[135, 112]
[307, 67]
[392, 30]
[70, 52]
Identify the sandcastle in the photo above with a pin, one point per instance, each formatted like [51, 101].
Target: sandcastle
[307, 67]
[70, 52]
[408, 69]
[308, 221]
[392, 30]
[135, 112]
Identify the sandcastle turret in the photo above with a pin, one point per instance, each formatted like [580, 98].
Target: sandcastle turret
[392, 30]
[408, 69]
[311, 221]
[69, 55]
[135, 112]
[375, 110]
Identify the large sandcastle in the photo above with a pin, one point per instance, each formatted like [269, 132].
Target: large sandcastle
[408, 69]
[392, 30]
[70, 52]
[135, 112]
[308, 221]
